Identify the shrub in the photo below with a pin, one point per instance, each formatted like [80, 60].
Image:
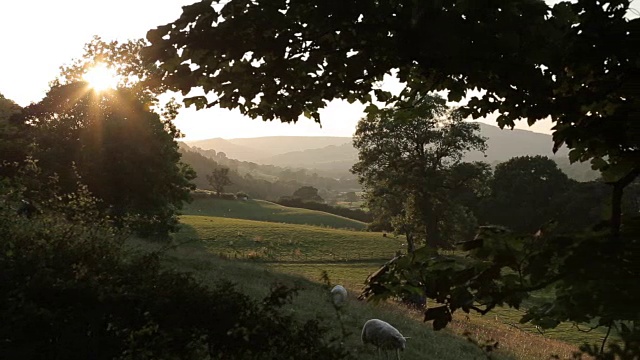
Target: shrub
[241, 195]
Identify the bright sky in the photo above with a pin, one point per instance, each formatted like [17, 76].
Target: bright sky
[39, 36]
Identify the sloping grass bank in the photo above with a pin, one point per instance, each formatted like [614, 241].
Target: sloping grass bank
[348, 257]
[313, 302]
[261, 210]
[267, 241]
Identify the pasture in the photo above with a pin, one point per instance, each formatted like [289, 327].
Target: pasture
[262, 210]
[313, 302]
[257, 253]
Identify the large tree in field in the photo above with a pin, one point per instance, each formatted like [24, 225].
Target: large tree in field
[123, 152]
[407, 153]
[218, 179]
[576, 63]
[307, 193]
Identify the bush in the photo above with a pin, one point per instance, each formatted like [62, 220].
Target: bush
[69, 289]
[241, 195]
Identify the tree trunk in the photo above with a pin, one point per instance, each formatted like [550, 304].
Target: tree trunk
[616, 201]
[411, 244]
[616, 210]
[434, 239]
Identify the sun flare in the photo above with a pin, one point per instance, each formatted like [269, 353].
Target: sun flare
[101, 78]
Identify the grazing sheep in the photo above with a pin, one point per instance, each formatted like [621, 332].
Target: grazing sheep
[383, 336]
[339, 295]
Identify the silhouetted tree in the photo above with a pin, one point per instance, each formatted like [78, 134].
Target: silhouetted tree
[125, 154]
[523, 191]
[307, 193]
[407, 154]
[218, 179]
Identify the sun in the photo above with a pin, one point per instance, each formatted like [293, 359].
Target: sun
[101, 78]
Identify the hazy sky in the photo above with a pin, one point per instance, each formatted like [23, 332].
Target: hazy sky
[38, 36]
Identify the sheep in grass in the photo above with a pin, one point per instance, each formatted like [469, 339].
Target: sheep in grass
[383, 336]
[339, 295]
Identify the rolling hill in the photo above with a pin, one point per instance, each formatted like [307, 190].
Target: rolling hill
[296, 151]
[285, 144]
[329, 158]
[260, 149]
[262, 253]
[334, 156]
[231, 149]
[261, 210]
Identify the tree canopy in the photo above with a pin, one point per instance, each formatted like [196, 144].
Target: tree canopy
[574, 62]
[307, 193]
[124, 59]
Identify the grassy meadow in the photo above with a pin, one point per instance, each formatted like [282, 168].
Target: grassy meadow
[261, 210]
[277, 242]
[255, 254]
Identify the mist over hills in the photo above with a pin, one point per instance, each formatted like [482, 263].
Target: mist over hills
[285, 144]
[259, 150]
[319, 151]
[234, 151]
[503, 144]
[332, 156]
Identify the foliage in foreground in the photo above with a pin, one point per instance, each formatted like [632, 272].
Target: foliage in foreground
[501, 268]
[68, 290]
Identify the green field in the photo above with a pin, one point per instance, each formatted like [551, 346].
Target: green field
[261, 210]
[257, 253]
[260, 240]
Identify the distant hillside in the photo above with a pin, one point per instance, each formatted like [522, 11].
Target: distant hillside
[334, 156]
[503, 144]
[232, 149]
[262, 181]
[328, 158]
[257, 149]
[283, 144]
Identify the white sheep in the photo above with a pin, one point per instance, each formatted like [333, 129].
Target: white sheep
[383, 336]
[339, 295]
